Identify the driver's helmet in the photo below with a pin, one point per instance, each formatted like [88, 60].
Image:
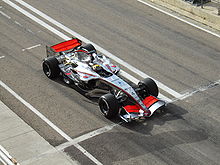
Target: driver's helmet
[97, 68]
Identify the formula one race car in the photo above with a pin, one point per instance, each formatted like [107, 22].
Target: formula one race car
[81, 65]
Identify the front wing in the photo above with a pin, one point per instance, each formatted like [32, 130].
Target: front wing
[135, 111]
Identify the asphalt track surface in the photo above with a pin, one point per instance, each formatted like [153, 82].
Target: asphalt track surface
[182, 57]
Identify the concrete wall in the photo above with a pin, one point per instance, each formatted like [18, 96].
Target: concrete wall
[208, 15]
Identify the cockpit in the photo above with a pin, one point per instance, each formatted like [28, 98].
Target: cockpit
[83, 56]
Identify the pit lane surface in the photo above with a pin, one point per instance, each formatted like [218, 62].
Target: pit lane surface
[174, 53]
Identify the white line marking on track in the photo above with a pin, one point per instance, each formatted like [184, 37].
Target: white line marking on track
[87, 154]
[180, 19]
[200, 89]
[50, 28]
[35, 111]
[18, 23]
[40, 115]
[87, 136]
[31, 47]
[120, 61]
[2, 57]
[2, 13]
[74, 142]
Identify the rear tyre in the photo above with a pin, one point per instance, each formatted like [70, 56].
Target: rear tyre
[50, 67]
[91, 49]
[149, 86]
[109, 105]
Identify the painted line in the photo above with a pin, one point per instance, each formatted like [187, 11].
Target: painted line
[74, 142]
[34, 110]
[200, 89]
[50, 28]
[18, 23]
[2, 13]
[120, 61]
[46, 120]
[87, 154]
[2, 57]
[180, 19]
[87, 136]
[31, 47]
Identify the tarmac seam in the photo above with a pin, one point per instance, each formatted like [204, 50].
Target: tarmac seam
[16, 135]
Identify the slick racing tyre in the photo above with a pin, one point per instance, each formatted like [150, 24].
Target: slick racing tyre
[108, 105]
[149, 86]
[91, 49]
[50, 67]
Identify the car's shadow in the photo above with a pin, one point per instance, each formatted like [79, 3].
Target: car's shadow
[170, 113]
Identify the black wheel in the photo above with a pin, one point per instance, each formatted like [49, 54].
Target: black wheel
[149, 86]
[90, 48]
[50, 67]
[109, 105]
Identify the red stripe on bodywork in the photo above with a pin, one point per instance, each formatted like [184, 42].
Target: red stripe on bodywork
[69, 73]
[150, 100]
[132, 108]
[82, 51]
[135, 109]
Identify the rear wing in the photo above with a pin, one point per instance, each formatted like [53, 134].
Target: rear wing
[63, 46]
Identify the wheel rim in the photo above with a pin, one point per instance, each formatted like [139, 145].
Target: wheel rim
[104, 107]
[47, 69]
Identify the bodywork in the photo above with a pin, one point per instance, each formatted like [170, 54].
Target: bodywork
[133, 106]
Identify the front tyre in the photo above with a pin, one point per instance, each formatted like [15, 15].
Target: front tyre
[50, 67]
[149, 86]
[109, 105]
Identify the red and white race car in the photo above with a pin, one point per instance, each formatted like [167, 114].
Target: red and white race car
[81, 65]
